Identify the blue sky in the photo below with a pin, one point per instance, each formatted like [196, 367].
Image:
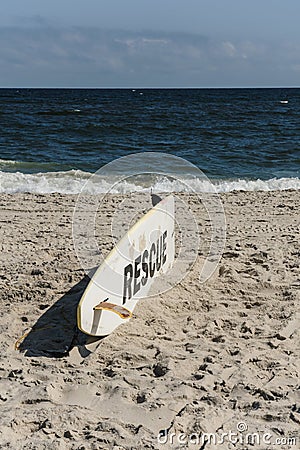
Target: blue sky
[143, 43]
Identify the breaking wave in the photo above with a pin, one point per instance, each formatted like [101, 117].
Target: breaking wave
[73, 181]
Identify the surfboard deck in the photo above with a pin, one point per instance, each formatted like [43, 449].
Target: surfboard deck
[145, 252]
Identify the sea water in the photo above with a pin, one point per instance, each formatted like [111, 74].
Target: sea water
[52, 140]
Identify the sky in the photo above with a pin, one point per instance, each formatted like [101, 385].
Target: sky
[143, 43]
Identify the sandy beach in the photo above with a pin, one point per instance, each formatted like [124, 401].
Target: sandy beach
[199, 359]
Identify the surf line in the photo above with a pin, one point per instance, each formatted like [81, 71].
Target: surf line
[150, 262]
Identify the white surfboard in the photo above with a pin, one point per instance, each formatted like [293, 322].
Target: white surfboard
[126, 275]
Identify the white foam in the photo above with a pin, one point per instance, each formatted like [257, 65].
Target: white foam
[274, 184]
[202, 185]
[43, 183]
[73, 181]
[7, 162]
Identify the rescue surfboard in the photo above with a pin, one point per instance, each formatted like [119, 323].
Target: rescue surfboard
[144, 253]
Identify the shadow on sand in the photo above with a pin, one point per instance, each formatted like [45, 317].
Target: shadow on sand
[55, 333]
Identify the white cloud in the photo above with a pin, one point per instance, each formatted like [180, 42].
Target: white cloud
[155, 41]
[94, 57]
[229, 49]
[127, 42]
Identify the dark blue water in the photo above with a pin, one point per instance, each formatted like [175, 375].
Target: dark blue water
[227, 133]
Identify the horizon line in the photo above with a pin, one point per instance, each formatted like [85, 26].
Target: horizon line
[149, 87]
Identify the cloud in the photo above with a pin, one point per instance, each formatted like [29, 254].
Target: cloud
[42, 55]
[229, 49]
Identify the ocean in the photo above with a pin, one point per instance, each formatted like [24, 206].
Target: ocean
[52, 140]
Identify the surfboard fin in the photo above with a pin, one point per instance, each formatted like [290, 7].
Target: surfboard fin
[155, 199]
[124, 313]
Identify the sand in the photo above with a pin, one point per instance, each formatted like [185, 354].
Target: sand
[212, 358]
